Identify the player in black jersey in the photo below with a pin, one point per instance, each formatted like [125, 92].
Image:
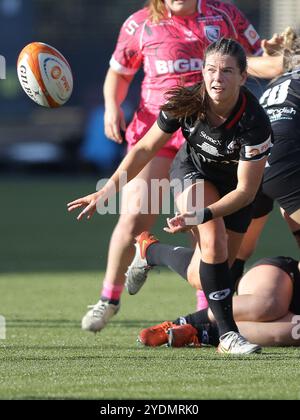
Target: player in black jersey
[281, 180]
[228, 139]
[266, 310]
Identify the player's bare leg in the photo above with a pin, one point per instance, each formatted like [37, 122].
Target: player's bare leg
[121, 248]
[234, 239]
[282, 332]
[248, 246]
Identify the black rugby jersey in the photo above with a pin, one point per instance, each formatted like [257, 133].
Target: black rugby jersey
[281, 101]
[290, 266]
[245, 135]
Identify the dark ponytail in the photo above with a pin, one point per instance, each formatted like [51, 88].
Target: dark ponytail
[183, 102]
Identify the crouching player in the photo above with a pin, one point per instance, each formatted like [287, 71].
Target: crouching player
[265, 309]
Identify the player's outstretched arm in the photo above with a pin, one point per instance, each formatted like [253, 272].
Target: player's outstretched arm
[270, 64]
[265, 67]
[131, 166]
[89, 202]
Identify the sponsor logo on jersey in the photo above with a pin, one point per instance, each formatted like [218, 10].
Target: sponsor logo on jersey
[251, 35]
[209, 18]
[208, 148]
[258, 149]
[285, 113]
[181, 65]
[207, 137]
[232, 146]
[190, 175]
[212, 32]
[219, 294]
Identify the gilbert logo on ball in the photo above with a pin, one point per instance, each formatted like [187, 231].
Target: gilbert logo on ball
[45, 75]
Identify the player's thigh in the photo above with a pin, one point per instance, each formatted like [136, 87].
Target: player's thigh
[197, 195]
[193, 272]
[142, 196]
[234, 241]
[211, 236]
[270, 284]
[251, 237]
[289, 332]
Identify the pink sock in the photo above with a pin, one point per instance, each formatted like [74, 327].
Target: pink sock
[112, 291]
[201, 300]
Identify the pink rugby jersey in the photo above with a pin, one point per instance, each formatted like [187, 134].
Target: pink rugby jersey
[171, 52]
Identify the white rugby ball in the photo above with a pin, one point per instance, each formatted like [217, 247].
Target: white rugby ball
[45, 75]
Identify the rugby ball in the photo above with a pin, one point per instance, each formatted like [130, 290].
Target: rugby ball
[45, 75]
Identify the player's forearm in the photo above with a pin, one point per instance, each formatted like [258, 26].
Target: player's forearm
[138, 157]
[265, 67]
[131, 166]
[231, 202]
[115, 88]
[249, 176]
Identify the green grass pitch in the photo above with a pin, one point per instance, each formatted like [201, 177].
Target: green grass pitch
[50, 269]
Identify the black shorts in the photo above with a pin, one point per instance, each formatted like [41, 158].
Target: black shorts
[262, 205]
[289, 266]
[282, 183]
[183, 168]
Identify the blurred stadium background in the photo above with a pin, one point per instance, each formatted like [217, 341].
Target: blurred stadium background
[44, 158]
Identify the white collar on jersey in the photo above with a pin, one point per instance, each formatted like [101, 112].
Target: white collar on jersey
[201, 7]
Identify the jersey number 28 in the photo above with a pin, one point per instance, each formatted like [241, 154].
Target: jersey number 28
[275, 95]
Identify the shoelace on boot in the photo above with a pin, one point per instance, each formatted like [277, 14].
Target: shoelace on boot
[98, 310]
[235, 339]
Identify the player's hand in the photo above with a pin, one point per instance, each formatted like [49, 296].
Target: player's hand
[89, 202]
[180, 223]
[187, 221]
[114, 123]
[273, 46]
